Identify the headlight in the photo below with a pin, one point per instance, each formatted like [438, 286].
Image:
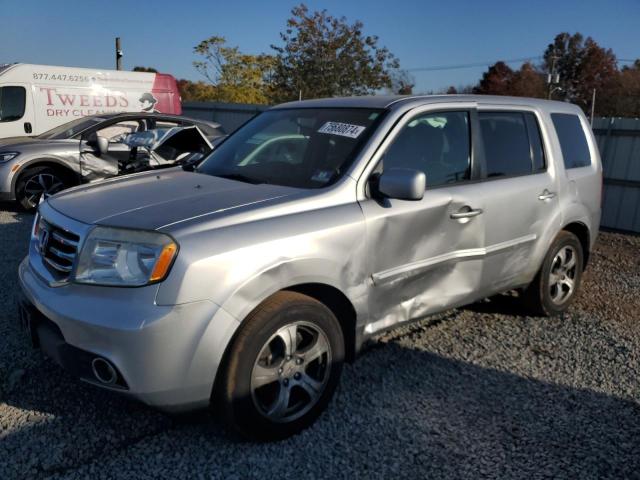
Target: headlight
[127, 258]
[6, 156]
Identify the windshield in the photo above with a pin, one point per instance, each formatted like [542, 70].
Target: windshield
[303, 148]
[70, 129]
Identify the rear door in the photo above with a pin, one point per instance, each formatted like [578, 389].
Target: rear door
[425, 255]
[520, 195]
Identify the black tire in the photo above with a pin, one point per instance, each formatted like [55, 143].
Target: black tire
[541, 297]
[239, 403]
[53, 181]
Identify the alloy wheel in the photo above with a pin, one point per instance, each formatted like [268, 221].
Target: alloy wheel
[291, 372]
[562, 277]
[41, 184]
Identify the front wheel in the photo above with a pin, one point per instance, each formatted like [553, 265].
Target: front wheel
[556, 284]
[282, 368]
[36, 182]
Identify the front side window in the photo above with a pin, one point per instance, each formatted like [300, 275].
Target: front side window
[12, 103]
[117, 132]
[437, 144]
[506, 143]
[573, 143]
[303, 148]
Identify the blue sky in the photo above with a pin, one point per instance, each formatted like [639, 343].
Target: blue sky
[420, 33]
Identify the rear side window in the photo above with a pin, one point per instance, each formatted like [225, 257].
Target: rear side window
[12, 103]
[512, 143]
[573, 143]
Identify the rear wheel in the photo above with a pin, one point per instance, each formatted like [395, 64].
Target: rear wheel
[283, 367]
[558, 280]
[35, 182]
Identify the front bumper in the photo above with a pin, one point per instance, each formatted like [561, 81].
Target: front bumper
[167, 356]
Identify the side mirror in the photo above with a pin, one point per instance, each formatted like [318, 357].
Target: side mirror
[102, 145]
[402, 183]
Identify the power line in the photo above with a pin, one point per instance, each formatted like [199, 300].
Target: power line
[471, 65]
[485, 64]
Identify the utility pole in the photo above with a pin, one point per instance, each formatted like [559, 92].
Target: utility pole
[593, 106]
[553, 78]
[118, 54]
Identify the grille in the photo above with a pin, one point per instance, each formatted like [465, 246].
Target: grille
[58, 248]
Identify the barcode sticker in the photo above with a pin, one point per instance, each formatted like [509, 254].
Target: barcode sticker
[342, 129]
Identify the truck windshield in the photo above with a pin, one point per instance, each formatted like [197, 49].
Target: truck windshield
[70, 129]
[12, 103]
[303, 148]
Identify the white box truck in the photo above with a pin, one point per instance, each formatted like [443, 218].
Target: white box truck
[36, 98]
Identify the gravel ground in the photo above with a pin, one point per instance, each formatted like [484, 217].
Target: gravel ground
[480, 392]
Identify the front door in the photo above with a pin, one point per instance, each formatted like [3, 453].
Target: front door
[16, 111]
[97, 166]
[426, 255]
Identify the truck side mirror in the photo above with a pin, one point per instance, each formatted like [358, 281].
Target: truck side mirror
[402, 183]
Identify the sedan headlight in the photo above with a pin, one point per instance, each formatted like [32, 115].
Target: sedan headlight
[6, 156]
[126, 258]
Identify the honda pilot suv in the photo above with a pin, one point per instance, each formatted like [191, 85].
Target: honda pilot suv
[244, 283]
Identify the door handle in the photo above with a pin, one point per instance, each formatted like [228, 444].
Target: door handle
[466, 214]
[546, 195]
[27, 127]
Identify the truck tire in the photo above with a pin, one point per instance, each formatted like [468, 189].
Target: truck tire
[282, 368]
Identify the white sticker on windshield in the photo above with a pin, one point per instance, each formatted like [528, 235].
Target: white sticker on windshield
[342, 129]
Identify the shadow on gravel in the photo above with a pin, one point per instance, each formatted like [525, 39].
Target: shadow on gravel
[400, 412]
[505, 304]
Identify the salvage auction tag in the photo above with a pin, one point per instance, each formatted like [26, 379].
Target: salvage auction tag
[342, 129]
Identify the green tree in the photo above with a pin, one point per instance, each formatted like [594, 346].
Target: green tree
[402, 82]
[324, 56]
[236, 76]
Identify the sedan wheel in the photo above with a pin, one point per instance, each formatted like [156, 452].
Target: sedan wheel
[38, 182]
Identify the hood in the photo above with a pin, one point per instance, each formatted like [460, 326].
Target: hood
[152, 200]
[21, 143]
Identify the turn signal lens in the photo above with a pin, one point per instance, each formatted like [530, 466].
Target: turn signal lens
[164, 262]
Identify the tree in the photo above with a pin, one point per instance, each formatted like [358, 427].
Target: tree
[582, 66]
[496, 80]
[237, 77]
[144, 69]
[452, 90]
[402, 82]
[324, 56]
[527, 82]
[627, 100]
[197, 91]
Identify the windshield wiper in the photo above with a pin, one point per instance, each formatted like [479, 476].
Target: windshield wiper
[238, 176]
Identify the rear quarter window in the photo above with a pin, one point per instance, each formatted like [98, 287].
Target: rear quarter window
[573, 142]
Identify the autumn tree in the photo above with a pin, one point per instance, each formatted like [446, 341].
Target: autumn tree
[197, 91]
[527, 81]
[236, 77]
[582, 66]
[144, 69]
[627, 100]
[325, 56]
[496, 80]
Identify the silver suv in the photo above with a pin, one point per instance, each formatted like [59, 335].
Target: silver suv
[245, 283]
